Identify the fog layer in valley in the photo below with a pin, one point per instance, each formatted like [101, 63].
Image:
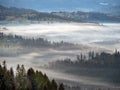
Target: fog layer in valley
[105, 35]
[89, 36]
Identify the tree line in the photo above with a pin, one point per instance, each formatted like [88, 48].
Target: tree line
[30, 42]
[93, 59]
[105, 66]
[26, 80]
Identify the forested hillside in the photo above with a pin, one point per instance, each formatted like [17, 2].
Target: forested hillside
[104, 66]
[25, 80]
[15, 40]
[21, 14]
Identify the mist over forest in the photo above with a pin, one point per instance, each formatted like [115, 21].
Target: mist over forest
[65, 50]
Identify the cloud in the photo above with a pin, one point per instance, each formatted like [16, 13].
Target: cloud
[104, 4]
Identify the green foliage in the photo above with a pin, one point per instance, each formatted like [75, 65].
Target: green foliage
[22, 82]
[6, 78]
[25, 80]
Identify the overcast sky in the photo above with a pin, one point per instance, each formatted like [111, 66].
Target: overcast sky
[65, 5]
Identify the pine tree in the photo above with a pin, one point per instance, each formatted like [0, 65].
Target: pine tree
[54, 85]
[61, 87]
[31, 77]
[21, 79]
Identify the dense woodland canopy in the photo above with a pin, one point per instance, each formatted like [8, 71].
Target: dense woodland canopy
[102, 65]
[26, 80]
[15, 40]
[96, 60]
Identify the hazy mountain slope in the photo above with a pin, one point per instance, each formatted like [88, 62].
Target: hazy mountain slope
[13, 13]
[89, 16]
[27, 14]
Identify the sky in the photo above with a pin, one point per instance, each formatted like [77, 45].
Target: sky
[65, 5]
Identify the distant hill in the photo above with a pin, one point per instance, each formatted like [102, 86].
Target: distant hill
[22, 14]
[88, 16]
[14, 13]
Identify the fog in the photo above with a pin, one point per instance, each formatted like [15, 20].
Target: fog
[90, 36]
[105, 35]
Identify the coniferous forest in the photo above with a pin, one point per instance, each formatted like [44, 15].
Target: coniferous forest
[101, 65]
[59, 44]
[25, 80]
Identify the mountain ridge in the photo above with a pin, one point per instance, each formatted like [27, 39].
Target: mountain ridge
[13, 13]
